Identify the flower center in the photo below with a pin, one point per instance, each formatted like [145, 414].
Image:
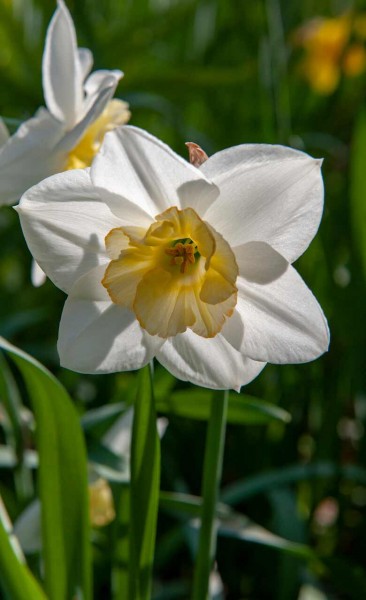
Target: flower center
[115, 113]
[178, 274]
[183, 253]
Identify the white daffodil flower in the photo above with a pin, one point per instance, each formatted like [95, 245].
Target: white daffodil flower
[190, 265]
[79, 112]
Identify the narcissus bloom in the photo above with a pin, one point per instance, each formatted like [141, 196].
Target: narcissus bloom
[80, 110]
[190, 265]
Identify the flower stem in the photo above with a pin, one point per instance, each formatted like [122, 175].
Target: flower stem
[214, 452]
[144, 498]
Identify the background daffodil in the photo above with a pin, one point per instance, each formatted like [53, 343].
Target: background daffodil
[188, 265]
[333, 47]
[67, 133]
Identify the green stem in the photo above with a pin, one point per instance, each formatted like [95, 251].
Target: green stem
[144, 499]
[211, 481]
[279, 69]
[120, 574]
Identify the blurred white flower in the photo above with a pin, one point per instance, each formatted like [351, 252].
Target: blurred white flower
[190, 265]
[117, 439]
[79, 111]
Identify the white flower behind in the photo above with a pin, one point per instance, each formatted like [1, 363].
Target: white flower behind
[67, 134]
[188, 265]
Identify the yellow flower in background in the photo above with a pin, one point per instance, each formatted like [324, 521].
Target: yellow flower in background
[333, 47]
[101, 503]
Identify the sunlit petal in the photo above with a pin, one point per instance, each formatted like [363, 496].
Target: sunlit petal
[62, 71]
[145, 172]
[275, 193]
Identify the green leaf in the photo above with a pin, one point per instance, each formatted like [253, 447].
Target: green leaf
[107, 463]
[232, 524]
[264, 482]
[242, 410]
[15, 439]
[358, 186]
[104, 415]
[16, 580]
[62, 481]
[145, 478]
[238, 526]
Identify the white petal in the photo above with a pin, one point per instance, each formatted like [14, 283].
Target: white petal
[92, 108]
[86, 61]
[27, 528]
[278, 322]
[211, 363]
[139, 168]
[118, 437]
[268, 193]
[259, 262]
[38, 277]
[64, 223]
[29, 156]
[61, 69]
[99, 81]
[4, 133]
[97, 336]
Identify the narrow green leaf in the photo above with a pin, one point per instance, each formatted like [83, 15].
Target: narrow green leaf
[104, 415]
[242, 410]
[107, 463]
[62, 481]
[232, 524]
[16, 580]
[240, 527]
[260, 484]
[145, 478]
[358, 186]
[11, 400]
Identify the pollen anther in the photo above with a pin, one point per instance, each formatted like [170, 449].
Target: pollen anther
[182, 254]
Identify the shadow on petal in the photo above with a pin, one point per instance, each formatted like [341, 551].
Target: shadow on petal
[259, 263]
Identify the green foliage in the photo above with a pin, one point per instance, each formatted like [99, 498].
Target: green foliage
[242, 409]
[17, 582]
[145, 481]
[62, 481]
[358, 187]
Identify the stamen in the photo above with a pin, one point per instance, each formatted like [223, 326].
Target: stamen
[182, 254]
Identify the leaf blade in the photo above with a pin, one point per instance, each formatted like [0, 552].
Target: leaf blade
[62, 480]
